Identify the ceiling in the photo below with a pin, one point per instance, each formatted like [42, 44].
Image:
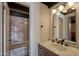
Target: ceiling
[23, 8]
[50, 4]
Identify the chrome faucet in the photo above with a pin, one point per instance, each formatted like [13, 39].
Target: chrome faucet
[60, 41]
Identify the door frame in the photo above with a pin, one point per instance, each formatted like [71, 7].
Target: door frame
[4, 49]
[1, 29]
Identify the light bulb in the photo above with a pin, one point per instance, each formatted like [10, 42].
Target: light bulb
[72, 8]
[64, 11]
[61, 7]
[54, 11]
[70, 3]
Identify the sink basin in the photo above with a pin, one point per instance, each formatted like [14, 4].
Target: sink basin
[59, 47]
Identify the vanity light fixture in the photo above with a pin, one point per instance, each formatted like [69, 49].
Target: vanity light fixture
[54, 11]
[64, 11]
[70, 4]
[61, 7]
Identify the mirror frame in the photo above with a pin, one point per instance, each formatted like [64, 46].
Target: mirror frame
[75, 26]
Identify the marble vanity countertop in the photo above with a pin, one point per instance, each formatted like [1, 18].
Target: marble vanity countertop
[68, 51]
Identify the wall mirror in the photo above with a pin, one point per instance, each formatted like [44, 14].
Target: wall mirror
[64, 24]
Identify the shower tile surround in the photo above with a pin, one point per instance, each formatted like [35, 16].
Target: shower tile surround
[19, 36]
[23, 51]
[18, 30]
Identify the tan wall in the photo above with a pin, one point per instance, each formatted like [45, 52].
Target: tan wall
[44, 20]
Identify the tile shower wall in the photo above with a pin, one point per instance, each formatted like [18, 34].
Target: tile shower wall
[19, 52]
[19, 38]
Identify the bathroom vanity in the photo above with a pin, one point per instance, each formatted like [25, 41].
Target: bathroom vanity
[42, 51]
[47, 48]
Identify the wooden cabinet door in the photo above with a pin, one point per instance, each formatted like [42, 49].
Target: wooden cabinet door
[48, 53]
[42, 51]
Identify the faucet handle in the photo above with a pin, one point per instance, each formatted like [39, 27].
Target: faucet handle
[53, 40]
[62, 41]
[56, 39]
